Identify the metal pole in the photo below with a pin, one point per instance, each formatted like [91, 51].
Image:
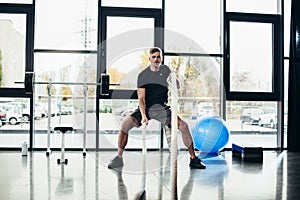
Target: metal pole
[85, 117]
[62, 159]
[49, 117]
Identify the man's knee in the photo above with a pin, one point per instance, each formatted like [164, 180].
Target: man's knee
[183, 126]
[128, 124]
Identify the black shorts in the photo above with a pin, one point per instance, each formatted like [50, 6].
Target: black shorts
[161, 113]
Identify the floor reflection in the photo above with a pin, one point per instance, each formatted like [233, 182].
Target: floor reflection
[38, 177]
[122, 189]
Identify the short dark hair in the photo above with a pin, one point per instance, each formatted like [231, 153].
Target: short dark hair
[155, 49]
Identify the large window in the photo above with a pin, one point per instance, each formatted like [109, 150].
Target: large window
[251, 57]
[12, 49]
[126, 36]
[253, 122]
[217, 65]
[14, 123]
[16, 24]
[253, 49]
[66, 59]
[56, 30]
[60, 81]
[124, 68]
[193, 27]
[193, 50]
[199, 91]
[253, 61]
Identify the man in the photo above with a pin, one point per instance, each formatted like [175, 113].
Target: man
[152, 99]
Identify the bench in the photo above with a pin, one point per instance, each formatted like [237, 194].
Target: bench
[247, 152]
[63, 130]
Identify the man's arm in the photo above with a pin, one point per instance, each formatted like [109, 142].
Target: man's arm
[142, 104]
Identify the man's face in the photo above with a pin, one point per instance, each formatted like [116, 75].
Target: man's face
[155, 59]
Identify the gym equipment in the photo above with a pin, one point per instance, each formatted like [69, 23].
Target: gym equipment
[247, 153]
[210, 134]
[174, 132]
[65, 185]
[142, 194]
[63, 130]
[29, 88]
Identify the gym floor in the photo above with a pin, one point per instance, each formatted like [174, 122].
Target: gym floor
[37, 176]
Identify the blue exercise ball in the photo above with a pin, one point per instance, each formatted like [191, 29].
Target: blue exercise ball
[210, 134]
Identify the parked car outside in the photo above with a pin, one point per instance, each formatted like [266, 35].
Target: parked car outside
[251, 115]
[25, 110]
[268, 118]
[2, 116]
[205, 109]
[13, 115]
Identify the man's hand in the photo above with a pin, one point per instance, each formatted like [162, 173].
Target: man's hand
[144, 121]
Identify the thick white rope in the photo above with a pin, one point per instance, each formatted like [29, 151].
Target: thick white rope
[174, 142]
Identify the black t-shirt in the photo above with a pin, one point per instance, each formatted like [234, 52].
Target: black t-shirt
[155, 84]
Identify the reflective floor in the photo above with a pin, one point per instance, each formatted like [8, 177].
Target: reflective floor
[37, 176]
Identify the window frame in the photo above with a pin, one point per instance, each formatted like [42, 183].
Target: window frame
[28, 10]
[277, 68]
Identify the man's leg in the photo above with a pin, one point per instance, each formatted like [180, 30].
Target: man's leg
[128, 124]
[195, 162]
[186, 137]
[165, 117]
[122, 142]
